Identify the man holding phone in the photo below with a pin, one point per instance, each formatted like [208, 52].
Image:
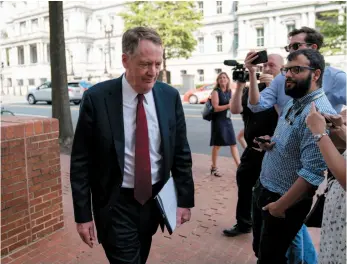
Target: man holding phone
[334, 86]
[292, 168]
[256, 124]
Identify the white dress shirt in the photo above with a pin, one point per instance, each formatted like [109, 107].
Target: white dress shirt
[129, 118]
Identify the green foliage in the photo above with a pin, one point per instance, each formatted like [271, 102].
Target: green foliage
[175, 21]
[334, 32]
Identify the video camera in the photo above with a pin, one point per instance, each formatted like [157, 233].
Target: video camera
[239, 71]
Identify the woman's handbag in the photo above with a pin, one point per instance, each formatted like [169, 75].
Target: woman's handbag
[315, 216]
[207, 111]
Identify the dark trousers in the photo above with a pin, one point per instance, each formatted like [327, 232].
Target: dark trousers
[247, 175]
[128, 236]
[271, 235]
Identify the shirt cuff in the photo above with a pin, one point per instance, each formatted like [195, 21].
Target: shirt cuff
[310, 177]
[259, 107]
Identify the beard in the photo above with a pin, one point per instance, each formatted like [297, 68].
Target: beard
[299, 88]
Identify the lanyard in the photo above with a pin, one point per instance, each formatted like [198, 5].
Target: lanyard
[301, 108]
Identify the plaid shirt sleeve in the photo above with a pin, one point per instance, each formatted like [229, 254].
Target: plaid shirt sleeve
[313, 164]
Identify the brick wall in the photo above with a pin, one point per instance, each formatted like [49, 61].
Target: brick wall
[31, 191]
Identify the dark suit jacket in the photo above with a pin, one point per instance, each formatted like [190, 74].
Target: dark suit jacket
[97, 158]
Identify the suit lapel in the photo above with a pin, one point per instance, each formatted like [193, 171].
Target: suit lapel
[163, 121]
[114, 106]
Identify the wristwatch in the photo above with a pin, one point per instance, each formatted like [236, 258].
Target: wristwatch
[318, 137]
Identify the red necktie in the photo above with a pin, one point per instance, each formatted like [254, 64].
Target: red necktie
[143, 177]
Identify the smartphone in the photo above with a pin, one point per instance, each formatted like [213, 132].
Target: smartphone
[262, 140]
[262, 57]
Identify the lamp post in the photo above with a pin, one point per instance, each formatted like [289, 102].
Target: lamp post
[2, 79]
[71, 61]
[105, 70]
[108, 35]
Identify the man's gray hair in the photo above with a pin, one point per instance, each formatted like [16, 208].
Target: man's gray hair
[132, 37]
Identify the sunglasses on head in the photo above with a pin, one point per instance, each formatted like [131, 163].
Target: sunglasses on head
[295, 46]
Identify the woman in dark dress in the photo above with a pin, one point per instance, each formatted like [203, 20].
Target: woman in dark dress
[222, 131]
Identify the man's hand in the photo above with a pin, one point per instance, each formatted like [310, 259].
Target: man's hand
[86, 232]
[275, 210]
[183, 215]
[266, 78]
[251, 56]
[265, 146]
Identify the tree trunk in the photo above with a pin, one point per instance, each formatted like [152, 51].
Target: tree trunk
[164, 76]
[60, 97]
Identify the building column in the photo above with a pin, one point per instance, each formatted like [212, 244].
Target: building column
[312, 19]
[242, 34]
[272, 31]
[304, 20]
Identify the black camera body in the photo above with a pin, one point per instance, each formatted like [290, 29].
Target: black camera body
[241, 75]
[239, 71]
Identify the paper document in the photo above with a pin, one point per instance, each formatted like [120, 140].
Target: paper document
[167, 203]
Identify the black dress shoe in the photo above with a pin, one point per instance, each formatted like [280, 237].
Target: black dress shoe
[236, 230]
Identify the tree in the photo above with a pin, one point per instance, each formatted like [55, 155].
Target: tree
[60, 97]
[175, 21]
[333, 27]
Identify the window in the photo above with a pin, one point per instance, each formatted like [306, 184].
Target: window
[201, 6]
[8, 56]
[34, 25]
[22, 27]
[48, 47]
[219, 40]
[218, 71]
[33, 53]
[46, 23]
[183, 72]
[20, 82]
[31, 82]
[201, 75]
[201, 44]
[290, 27]
[20, 51]
[43, 80]
[219, 7]
[260, 37]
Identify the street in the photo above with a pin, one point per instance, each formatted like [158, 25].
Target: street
[199, 130]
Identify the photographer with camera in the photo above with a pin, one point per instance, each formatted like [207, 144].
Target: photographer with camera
[256, 124]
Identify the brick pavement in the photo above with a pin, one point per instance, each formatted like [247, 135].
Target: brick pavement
[197, 242]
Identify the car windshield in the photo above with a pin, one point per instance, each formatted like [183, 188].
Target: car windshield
[73, 85]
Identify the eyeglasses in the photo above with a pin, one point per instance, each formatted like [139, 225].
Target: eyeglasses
[295, 69]
[295, 46]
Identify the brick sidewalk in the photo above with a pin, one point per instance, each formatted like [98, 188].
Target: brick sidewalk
[198, 242]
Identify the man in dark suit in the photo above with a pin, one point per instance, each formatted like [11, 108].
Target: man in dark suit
[130, 135]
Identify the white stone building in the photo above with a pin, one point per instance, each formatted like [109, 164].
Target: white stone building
[230, 29]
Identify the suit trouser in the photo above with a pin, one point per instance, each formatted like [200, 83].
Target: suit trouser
[247, 175]
[271, 235]
[128, 236]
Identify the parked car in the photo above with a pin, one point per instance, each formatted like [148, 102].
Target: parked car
[44, 92]
[198, 95]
